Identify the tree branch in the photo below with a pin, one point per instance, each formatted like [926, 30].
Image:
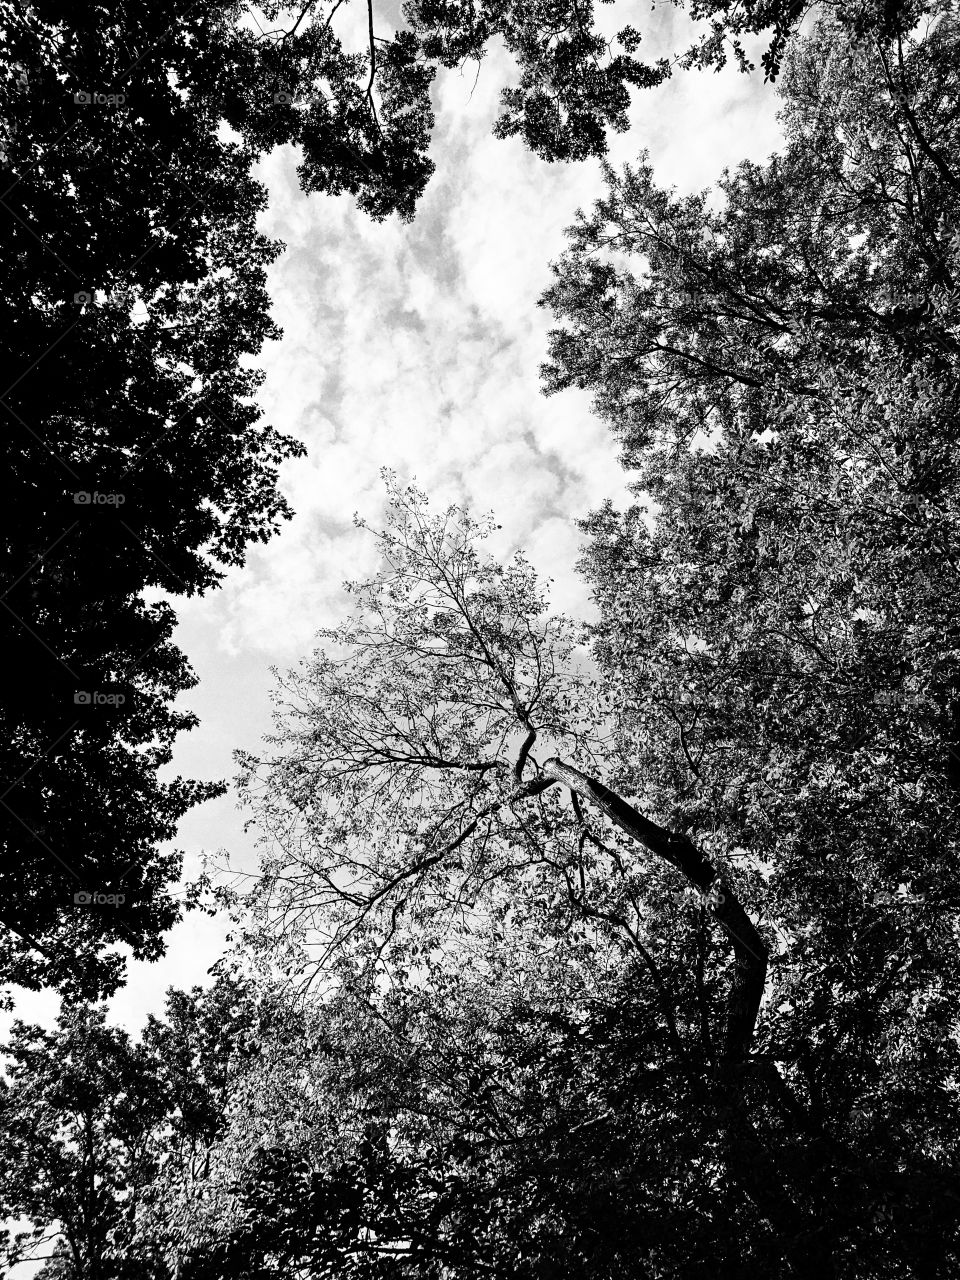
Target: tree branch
[373, 63]
[32, 942]
[524, 752]
[900, 96]
[750, 951]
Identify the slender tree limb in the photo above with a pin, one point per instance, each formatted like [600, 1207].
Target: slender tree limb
[929, 151]
[524, 752]
[37, 946]
[373, 63]
[620, 922]
[750, 951]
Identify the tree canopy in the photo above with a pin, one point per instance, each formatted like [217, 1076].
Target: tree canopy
[596, 950]
[92, 1123]
[133, 304]
[479, 835]
[133, 297]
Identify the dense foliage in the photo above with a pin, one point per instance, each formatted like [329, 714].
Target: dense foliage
[91, 1123]
[133, 299]
[133, 296]
[630, 949]
[778, 683]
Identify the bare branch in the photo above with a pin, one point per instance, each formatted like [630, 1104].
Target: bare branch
[524, 753]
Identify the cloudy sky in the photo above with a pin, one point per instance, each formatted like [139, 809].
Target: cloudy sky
[416, 347]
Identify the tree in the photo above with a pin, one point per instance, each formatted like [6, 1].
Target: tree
[409, 776]
[777, 613]
[667, 943]
[91, 1125]
[418, 851]
[133, 293]
[574, 84]
[461, 1128]
[525, 878]
[838, 255]
[507, 1115]
[133, 296]
[77, 1107]
[422, 736]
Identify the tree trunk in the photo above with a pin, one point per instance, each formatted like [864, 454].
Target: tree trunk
[749, 949]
